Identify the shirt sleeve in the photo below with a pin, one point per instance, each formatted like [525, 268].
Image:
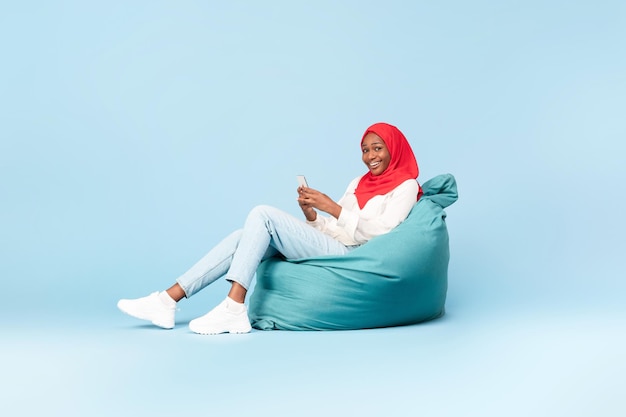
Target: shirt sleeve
[380, 215]
[395, 206]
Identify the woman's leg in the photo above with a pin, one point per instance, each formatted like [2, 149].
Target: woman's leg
[266, 230]
[176, 292]
[160, 307]
[212, 266]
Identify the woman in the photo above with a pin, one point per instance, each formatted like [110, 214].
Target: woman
[373, 204]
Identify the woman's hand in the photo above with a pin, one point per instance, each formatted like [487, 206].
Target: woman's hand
[310, 199]
[306, 208]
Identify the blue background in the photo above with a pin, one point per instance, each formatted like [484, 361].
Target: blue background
[136, 134]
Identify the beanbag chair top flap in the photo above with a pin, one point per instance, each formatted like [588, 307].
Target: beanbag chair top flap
[398, 278]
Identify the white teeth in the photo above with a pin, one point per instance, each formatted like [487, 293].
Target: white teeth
[374, 164]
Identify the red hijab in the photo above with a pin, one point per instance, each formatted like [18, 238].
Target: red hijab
[402, 165]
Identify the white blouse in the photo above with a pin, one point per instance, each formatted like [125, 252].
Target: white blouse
[381, 213]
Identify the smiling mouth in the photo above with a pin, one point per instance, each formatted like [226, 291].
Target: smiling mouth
[374, 164]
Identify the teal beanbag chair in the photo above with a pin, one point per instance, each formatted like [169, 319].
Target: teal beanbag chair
[395, 279]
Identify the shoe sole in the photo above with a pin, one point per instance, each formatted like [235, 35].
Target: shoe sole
[158, 324]
[209, 332]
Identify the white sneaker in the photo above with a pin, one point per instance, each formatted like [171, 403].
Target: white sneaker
[227, 317]
[150, 308]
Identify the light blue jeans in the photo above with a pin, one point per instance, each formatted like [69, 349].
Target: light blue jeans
[266, 232]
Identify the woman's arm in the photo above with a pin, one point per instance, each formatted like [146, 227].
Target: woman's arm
[356, 226]
[390, 210]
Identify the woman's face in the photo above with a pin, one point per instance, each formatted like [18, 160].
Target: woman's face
[375, 153]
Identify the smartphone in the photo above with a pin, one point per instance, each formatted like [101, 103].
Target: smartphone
[302, 181]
